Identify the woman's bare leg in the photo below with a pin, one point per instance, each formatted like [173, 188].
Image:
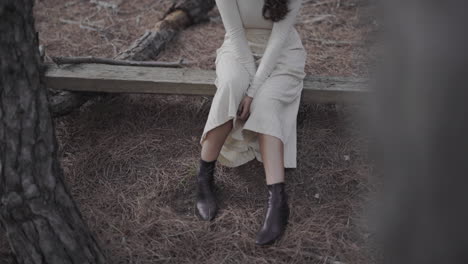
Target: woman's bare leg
[214, 141]
[206, 198]
[272, 151]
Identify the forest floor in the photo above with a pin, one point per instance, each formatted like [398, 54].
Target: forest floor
[130, 161]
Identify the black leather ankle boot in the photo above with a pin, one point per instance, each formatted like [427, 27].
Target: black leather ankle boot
[276, 216]
[206, 200]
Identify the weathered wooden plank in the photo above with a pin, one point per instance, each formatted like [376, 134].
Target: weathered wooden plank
[133, 79]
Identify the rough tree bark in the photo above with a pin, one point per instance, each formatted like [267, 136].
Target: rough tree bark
[182, 14]
[42, 222]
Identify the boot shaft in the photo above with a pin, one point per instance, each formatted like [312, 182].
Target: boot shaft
[206, 200]
[206, 171]
[277, 195]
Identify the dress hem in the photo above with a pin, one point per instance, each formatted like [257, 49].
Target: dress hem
[223, 161]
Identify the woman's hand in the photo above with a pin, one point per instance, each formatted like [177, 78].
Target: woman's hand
[243, 111]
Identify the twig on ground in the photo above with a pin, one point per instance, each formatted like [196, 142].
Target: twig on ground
[317, 19]
[69, 4]
[321, 3]
[336, 43]
[79, 23]
[104, 4]
[79, 60]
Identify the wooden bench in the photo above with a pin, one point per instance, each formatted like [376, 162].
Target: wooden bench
[184, 81]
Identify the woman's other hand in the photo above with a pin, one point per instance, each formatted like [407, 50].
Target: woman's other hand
[243, 111]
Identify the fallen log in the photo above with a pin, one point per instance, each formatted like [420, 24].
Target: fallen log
[182, 14]
[186, 81]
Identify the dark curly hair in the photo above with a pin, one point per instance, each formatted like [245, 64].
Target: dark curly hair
[275, 10]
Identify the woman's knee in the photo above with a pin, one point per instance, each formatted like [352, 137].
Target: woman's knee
[235, 83]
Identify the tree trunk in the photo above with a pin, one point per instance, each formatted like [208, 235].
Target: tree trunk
[182, 14]
[42, 222]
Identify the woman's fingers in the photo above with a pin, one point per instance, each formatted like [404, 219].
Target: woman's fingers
[240, 109]
[245, 111]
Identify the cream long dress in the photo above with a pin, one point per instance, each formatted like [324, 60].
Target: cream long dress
[264, 60]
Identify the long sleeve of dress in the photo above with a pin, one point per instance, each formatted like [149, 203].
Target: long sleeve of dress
[232, 22]
[276, 41]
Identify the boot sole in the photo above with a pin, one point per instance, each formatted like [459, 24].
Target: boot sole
[271, 242]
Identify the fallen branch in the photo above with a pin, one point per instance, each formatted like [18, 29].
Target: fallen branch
[79, 60]
[104, 4]
[80, 24]
[336, 43]
[181, 15]
[66, 101]
[154, 41]
[317, 19]
[314, 3]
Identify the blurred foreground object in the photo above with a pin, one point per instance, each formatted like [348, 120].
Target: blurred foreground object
[421, 123]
